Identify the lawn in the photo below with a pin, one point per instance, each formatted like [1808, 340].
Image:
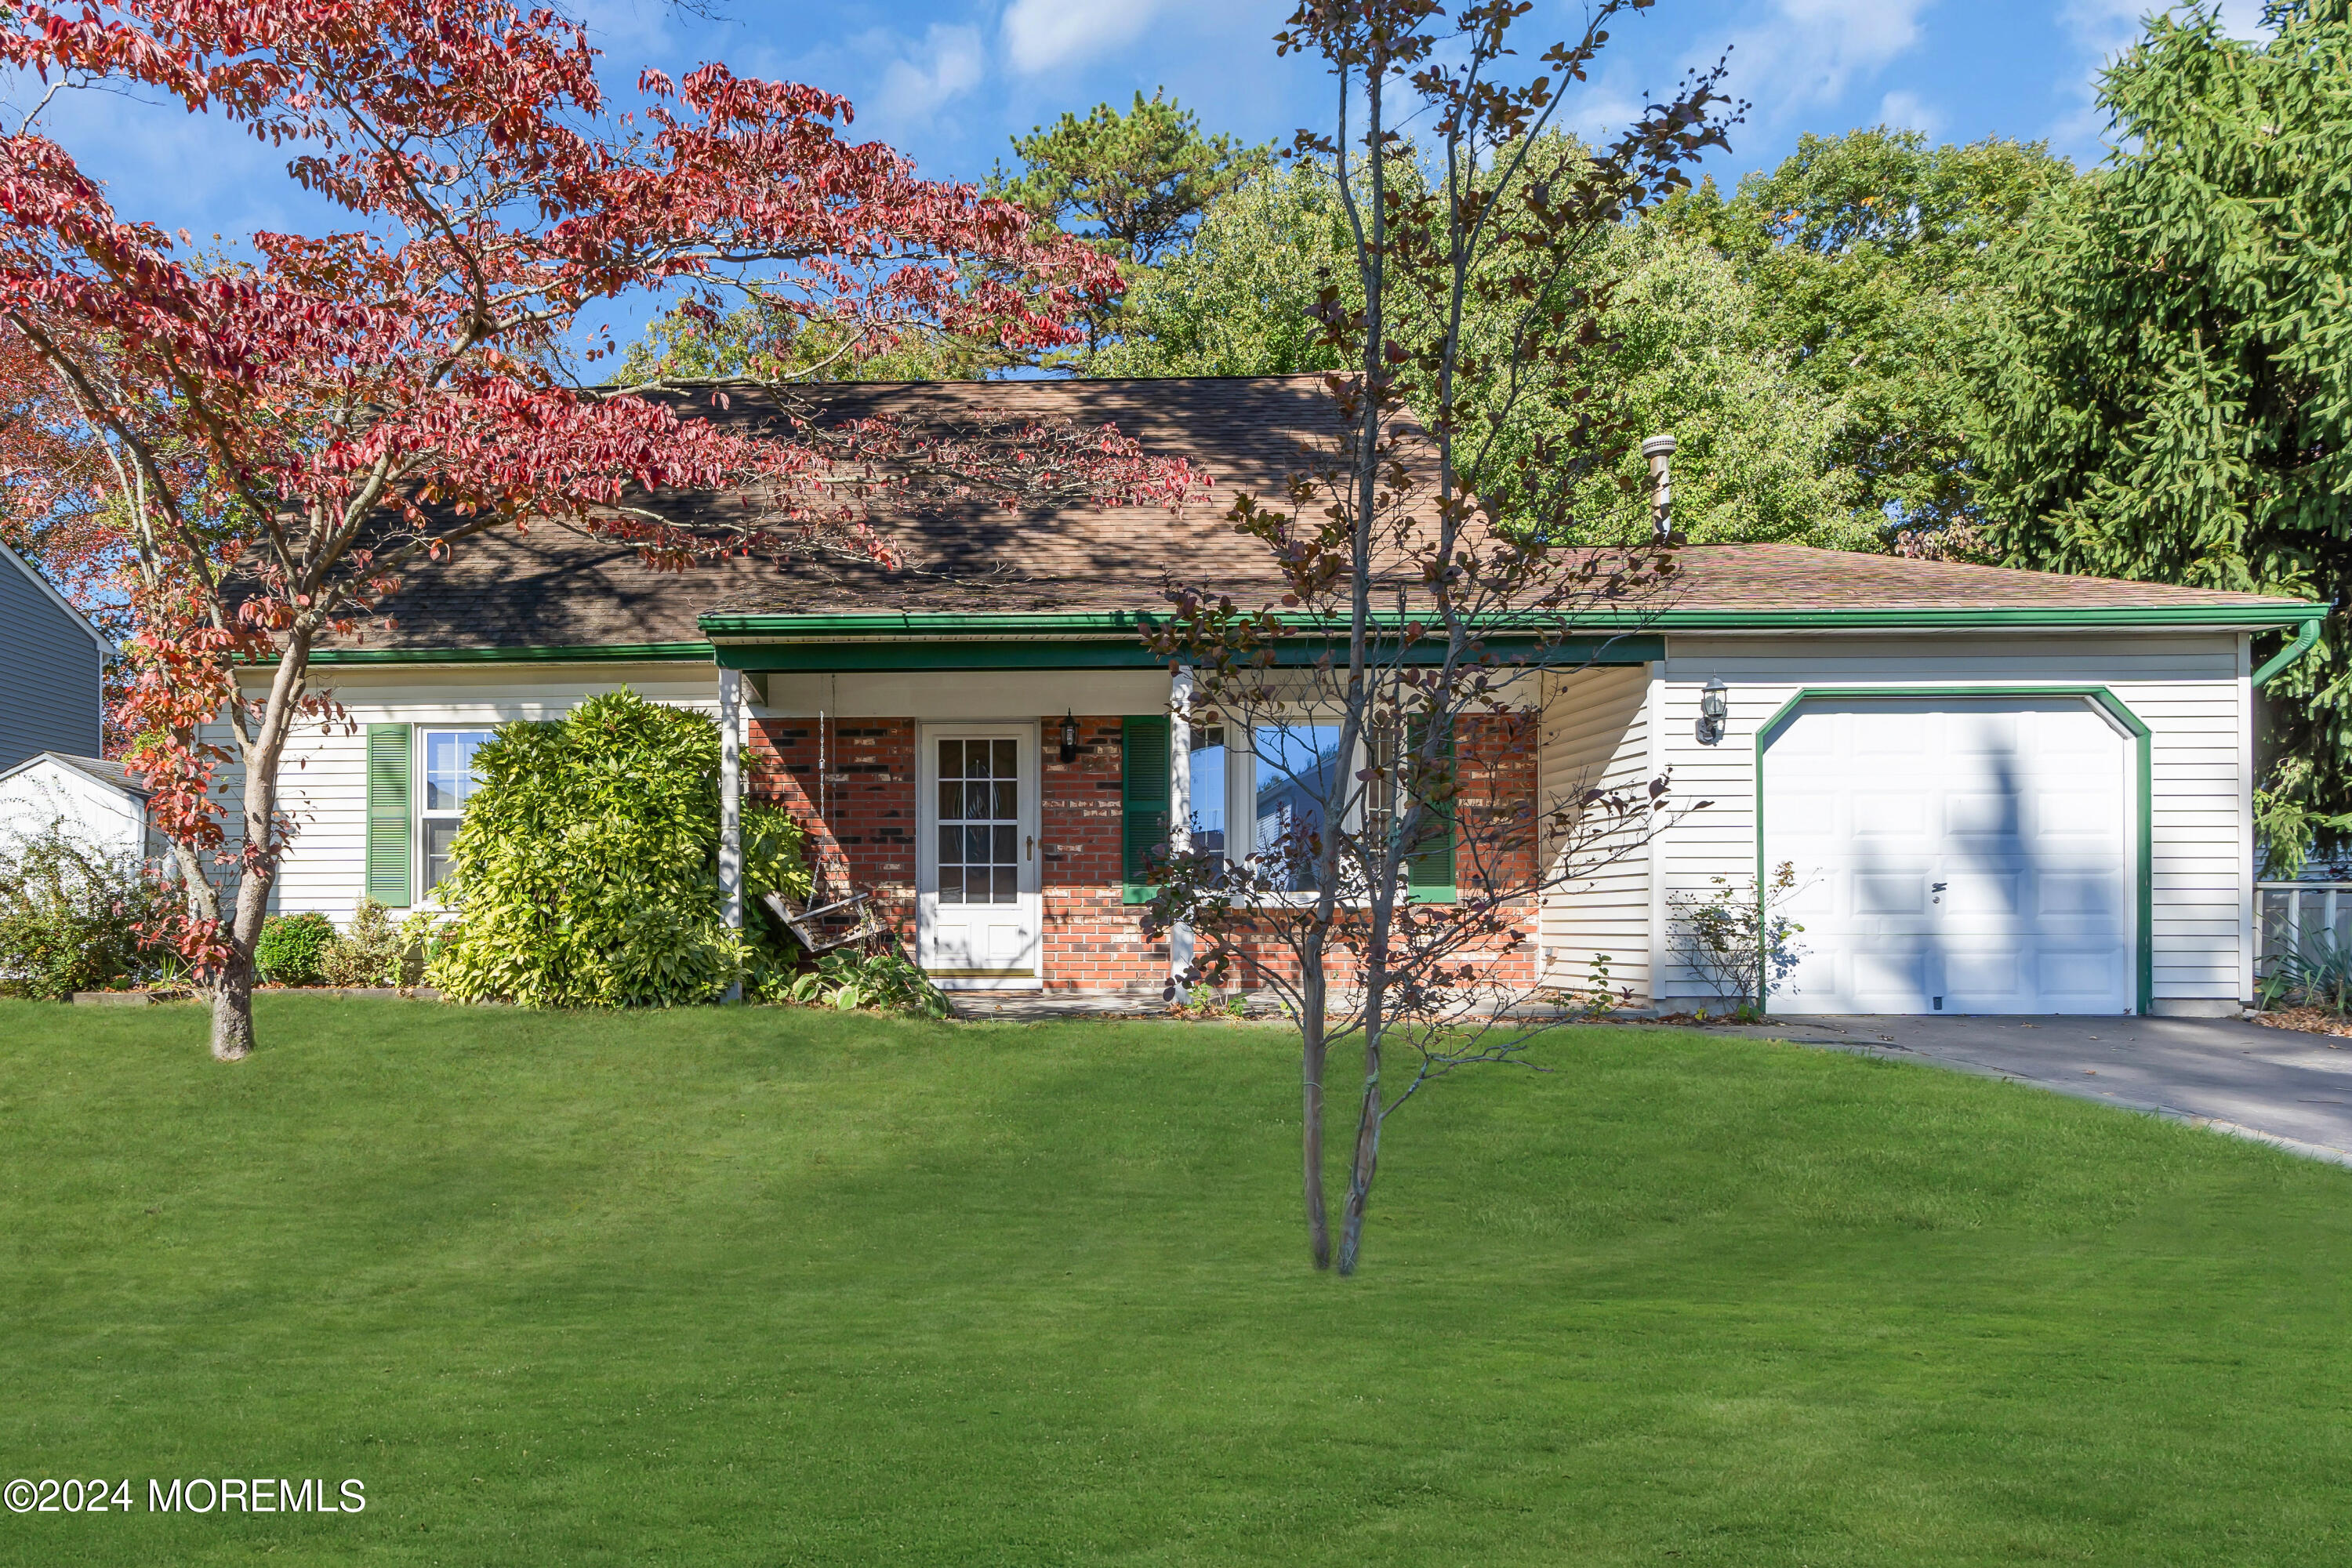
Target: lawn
[777, 1288]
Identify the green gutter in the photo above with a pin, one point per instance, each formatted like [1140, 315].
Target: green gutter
[970, 627]
[2307, 638]
[602, 653]
[966, 639]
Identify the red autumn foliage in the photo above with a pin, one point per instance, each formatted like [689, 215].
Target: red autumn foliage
[285, 432]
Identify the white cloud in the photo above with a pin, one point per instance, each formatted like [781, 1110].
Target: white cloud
[1907, 111]
[1812, 50]
[1040, 35]
[949, 63]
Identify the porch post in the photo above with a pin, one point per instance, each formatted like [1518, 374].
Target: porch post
[1180, 800]
[730, 803]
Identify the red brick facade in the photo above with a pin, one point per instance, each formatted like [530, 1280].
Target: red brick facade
[864, 818]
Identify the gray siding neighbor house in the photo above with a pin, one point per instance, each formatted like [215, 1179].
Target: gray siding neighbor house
[51, 665]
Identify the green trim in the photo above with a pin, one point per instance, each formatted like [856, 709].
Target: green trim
[617, 652]
[2307, 638]
[853, 628]
[2272, 612]
[1430, 868]
[2107, 700]
[391, 856]
[1147, 790]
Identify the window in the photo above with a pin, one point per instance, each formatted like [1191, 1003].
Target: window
[980, 822]
[1277, 782]
[1208, 796]
[449, 782]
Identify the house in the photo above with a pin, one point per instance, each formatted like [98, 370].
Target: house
[2001, 791]
[52, 721]
[52, 669]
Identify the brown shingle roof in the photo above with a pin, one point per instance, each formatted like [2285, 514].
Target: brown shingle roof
[557, 588]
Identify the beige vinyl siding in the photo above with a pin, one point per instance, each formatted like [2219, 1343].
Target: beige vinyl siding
[2187, 688]
[323, 785]
[1595, 735]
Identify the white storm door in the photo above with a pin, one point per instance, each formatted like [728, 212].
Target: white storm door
[976, 904]
[1955, 856]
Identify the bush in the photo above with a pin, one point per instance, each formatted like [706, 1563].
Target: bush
[71, 916]
[1737, 940]
[292, 948]
[884, 981]
[586, 872]
[375, 952]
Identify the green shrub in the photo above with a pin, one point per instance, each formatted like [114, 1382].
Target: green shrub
[586, 871]
[375, 952]
[71, 916]
[886, 982]
[292, 948]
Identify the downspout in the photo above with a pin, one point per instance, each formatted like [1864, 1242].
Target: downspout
[2307, 638]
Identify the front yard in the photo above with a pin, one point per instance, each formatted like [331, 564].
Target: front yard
[768, 1287]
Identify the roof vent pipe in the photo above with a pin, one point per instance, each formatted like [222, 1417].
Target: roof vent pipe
[1660, 450]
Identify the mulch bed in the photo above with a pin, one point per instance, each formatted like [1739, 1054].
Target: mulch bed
[2310, 1020]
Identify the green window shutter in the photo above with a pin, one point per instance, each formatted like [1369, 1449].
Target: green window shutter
[1429, 870]
[1143, 800]
[388, 817]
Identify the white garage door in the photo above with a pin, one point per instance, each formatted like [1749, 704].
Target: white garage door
[1955, 856]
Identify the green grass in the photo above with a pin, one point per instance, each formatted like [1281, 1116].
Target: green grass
[794, 1288]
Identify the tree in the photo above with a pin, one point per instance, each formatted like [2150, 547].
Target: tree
[288, 430]
[1131, 185]
[1872, 262]
[54, 498]
[2169, 387]
[1381, 663]
[1239, 298]
[1688, 350]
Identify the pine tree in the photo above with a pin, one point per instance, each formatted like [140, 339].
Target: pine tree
[2169, 394]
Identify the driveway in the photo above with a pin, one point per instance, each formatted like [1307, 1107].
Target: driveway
[2278, 1086]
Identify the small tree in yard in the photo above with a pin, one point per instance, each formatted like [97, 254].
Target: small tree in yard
[287, 431]
[1386, 761]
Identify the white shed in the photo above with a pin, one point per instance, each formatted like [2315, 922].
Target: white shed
[95, 801]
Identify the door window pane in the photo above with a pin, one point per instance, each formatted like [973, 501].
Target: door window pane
[980, 822]
[1295, 769]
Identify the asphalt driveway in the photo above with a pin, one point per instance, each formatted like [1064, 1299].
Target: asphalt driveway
[2278, 1086]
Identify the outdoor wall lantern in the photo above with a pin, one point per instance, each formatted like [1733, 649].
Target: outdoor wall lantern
[1714, 707]
[1069, 738]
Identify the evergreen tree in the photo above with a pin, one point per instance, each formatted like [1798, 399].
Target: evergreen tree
[1132, 183]
[2169, 394]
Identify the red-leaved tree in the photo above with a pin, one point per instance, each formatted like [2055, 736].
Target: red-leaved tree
[287, 431]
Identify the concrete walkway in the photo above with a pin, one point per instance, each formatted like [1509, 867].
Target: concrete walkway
[2277, 1086]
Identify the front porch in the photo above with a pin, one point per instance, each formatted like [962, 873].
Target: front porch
[1000, 807]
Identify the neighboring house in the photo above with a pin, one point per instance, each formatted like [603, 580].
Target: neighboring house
[2003, 790]
[94, 801]
[52, 669]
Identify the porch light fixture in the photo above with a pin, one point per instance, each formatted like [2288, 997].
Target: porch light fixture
[1069, 738]
[1713, 708]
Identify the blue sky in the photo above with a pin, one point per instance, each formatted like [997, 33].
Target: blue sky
[949, 80]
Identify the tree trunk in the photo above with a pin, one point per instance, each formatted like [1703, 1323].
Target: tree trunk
[1311, 1057]
[1366, 1160]
[233, 985]
[233, 1011]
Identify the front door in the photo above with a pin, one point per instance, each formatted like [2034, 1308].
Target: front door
[976, 856]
